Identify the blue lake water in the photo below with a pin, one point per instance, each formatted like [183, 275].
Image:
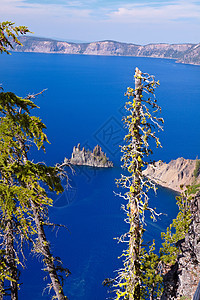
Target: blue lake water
[84, 103]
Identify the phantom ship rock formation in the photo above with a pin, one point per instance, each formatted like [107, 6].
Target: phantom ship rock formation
[95, 158]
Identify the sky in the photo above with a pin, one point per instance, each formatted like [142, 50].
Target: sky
[133, 21]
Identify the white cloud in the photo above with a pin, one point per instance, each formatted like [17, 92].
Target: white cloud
[156, 14]
[154, 21]
[138, 12]
[19, 7]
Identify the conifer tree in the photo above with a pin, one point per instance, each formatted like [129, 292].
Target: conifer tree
[177, 229]
[151, 273]
[141, 123]
[23, 197]
[9, 35]
[23, 201]
[154, 266]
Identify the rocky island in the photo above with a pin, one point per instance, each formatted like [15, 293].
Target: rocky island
[95, 158]
[174, 174]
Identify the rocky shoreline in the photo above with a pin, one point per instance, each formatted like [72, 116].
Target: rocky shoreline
[187, 53]
[96, 158]
[174, 174]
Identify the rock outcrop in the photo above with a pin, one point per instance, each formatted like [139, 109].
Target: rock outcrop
[182, 280]
[95, 158]
[183, 53]
[174, 174]
[192, 56]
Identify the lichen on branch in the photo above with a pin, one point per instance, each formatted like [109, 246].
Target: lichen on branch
[141, 123]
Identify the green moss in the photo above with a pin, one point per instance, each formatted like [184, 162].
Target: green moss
[197, 168]
[194, 189]
[177, 229]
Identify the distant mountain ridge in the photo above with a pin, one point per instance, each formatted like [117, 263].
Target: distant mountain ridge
[182, 53]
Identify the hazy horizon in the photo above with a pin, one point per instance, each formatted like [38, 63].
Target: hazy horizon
[88, 42]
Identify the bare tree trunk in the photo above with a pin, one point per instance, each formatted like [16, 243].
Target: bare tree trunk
[48, 258]
[1, 290]
[10, 253]
[44, 248]
[135, 227]
[152, 292]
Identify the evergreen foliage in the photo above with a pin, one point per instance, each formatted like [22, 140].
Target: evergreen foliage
[23, 193]
[154, 266]
[151, 274]
[9, 35]
[177, 229]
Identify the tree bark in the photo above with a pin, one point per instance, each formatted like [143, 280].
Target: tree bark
[152, 292]
[44, 248]
[135, 230]
[1, 291]
[48, 258]
[10, 253]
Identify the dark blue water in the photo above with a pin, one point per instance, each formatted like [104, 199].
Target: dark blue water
[84, 103]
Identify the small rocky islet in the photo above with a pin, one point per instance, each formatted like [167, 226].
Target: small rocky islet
[96, 158]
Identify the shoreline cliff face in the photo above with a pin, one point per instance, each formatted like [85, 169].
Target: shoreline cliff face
[182, 53]
[174, 174]
[182, 279]
[96, 158]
